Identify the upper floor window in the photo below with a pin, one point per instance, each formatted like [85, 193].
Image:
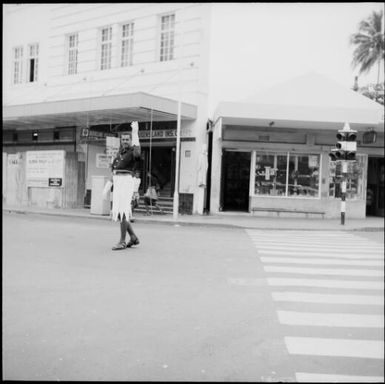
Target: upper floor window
[167, 34]
[106, 48]
[127, 44]
[17, 65]
[32, 62]
[72, 42]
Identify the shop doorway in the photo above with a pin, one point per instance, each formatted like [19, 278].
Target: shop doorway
[235, 181]
[375, 187]
[162, 164]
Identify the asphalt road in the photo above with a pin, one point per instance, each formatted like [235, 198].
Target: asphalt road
[73, 309]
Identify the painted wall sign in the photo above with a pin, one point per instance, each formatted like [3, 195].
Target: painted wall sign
[164, 133]
[55, 182]
[157, 134]
[13, 159]
[44, 165]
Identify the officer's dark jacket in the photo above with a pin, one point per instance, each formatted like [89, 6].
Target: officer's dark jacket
[127, 159]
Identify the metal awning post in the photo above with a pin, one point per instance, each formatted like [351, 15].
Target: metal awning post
[178, 126]
[177, 155]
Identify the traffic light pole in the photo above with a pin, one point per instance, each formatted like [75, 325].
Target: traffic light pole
[345, 151]
[343, 191]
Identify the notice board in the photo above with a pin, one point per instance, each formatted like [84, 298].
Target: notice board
[45, 168]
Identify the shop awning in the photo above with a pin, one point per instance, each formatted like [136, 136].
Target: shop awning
[308, 102]
[114, 109]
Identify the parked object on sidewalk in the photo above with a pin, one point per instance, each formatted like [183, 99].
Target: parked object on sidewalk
[99, 203]
[107, 189]
[123, 168]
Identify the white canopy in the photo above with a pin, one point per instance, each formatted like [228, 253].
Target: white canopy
[310, 101]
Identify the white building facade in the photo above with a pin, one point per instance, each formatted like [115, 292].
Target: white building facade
[74, 74]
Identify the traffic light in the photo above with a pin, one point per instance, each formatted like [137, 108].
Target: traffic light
[346, 146]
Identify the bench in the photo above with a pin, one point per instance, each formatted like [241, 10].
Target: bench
[289, 212]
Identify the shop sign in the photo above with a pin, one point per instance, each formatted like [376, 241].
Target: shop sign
[41, 166]
[85, 132]
[163, 134]
[157, 134]
[87, 135]
[96, 135]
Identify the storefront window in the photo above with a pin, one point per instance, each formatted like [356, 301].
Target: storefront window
[264, 171]
[287, 175]
[304, 175]
[355, 178]
[281, 175]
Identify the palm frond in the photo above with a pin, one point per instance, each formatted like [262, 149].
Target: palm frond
[369, 42]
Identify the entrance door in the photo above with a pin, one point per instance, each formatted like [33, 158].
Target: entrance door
[160, 161]
[375, 188]
[235, 181]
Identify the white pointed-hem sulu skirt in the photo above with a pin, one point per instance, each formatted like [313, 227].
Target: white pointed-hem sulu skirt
[122, 195]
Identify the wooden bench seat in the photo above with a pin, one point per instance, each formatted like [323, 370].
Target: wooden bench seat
[278, 211]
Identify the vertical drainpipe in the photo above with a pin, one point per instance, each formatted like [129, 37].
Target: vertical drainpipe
[206, 208]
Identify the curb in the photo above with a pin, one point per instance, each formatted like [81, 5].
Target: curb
[186, 223]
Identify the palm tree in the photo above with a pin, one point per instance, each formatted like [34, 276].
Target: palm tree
[369, 42]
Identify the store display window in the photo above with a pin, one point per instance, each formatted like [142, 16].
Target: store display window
[356, 178]
[287, 174]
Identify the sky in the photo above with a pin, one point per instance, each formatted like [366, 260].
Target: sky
[258, 45]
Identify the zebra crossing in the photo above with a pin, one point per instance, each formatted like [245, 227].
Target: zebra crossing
[341, 275]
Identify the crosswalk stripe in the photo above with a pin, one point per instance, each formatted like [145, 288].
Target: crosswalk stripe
[305, 237]
[328, 298]
[304, 377]
[303, 240]
[337, 248]
[301, 233]
[353, 284]
[304, 260]
[299, 252]
[304, 234]
[330, 319]
[324, 271]
[339, 262]
[369, 349]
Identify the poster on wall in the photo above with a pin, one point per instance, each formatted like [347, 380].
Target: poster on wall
[45, 168]
[102, 160]
[112, 147]
[313, 161]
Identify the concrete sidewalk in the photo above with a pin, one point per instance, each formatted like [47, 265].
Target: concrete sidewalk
[225, 219]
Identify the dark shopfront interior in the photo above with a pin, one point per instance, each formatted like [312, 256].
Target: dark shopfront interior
[235, 181]
[375, 187]
[160, 161]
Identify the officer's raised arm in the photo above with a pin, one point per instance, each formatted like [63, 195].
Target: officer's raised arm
[135, 138]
